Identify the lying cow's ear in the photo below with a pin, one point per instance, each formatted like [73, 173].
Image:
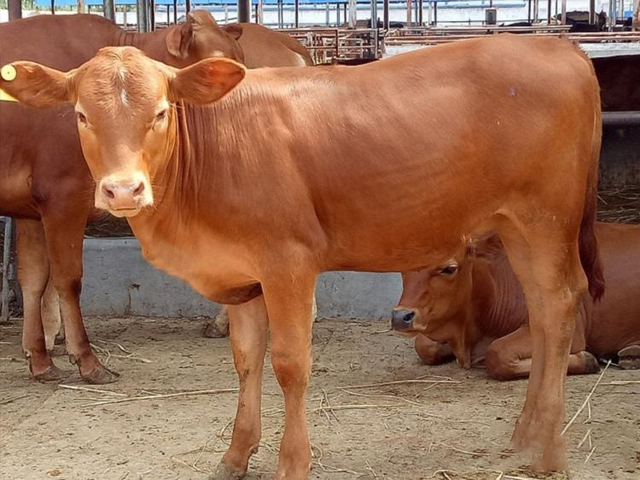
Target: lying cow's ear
[488, 248]
[234, 30]
[205, 81]
[179, 40]
[36, 85]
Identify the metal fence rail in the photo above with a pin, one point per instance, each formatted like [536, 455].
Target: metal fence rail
[6, 260]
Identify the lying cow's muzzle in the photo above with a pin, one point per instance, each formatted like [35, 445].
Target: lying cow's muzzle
[123, 197]
[402, 319]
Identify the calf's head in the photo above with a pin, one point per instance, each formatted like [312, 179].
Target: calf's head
[125, 105]
[200, 37]
[433, 298]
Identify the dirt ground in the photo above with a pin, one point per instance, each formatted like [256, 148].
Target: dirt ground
[452, 424]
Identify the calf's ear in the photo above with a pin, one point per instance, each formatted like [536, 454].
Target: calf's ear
[36, 85]
[180, 39]
[206, 81]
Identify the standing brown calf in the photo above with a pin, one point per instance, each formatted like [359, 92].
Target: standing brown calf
[44, 181]
[472, 308]
[384, 167]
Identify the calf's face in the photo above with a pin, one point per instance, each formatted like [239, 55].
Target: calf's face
[125, 105]
[433, 296]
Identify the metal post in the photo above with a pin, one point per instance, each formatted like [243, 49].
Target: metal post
[435, 13]
[280, 14]
[109, 9]
[420, 7]
[563, 15]
[6, 257]
[549, 12]
[260, 13]
[15, 9]
[296, 6]
[53, 7]
[143, 15]
[152, 14]
[352, 14]
[374, 14]
[244, 11]
[337, 14]
[409, 13]
[124, 15]
[187, 6]
[385, 14]
[529, 11]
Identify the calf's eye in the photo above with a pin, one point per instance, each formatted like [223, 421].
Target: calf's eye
[449, 270]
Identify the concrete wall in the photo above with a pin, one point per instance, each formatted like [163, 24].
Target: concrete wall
[118, 281]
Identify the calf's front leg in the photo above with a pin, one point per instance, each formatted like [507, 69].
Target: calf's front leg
[248, 332]
[289, 300]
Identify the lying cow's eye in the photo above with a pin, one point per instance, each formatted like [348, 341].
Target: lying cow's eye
[82, 118]
[449, 270]
[161, 115]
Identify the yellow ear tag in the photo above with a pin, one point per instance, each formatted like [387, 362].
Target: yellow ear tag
[8, 73]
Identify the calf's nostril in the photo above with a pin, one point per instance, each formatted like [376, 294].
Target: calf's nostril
[108, 192]
[408, 318]
[139, 189]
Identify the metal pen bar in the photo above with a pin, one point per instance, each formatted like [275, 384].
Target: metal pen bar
[6, 257]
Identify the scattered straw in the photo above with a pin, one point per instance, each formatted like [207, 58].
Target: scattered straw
[158, 397]
[622, 382]
[584, 439]
[92, 390]
[12, 399]
[590, 455]
[586, 401]
[400, 382]
[353, 407]
[13, 359]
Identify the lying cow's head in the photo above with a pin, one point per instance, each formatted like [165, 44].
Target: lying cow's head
[201, 37]
[126, 114]
[433, 298]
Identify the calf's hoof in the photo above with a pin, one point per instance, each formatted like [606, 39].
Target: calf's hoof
[225, 472]
[629, 358]
[51, 374]
[100, 376]
[60, 338]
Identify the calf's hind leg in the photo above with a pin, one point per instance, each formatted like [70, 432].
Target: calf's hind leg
[544, 256]
[33, 274]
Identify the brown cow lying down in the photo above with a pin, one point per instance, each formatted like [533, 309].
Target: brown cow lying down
[472, 309]
[288, 173]
[41, 160]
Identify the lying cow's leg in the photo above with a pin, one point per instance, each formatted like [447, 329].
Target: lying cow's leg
[248, 325]
[51, 319]
[548, 267]
[432, 352]
[218, 326]
[33, 273]
[290, 322]
[509, 357]
[65, 257]
[629, 358]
